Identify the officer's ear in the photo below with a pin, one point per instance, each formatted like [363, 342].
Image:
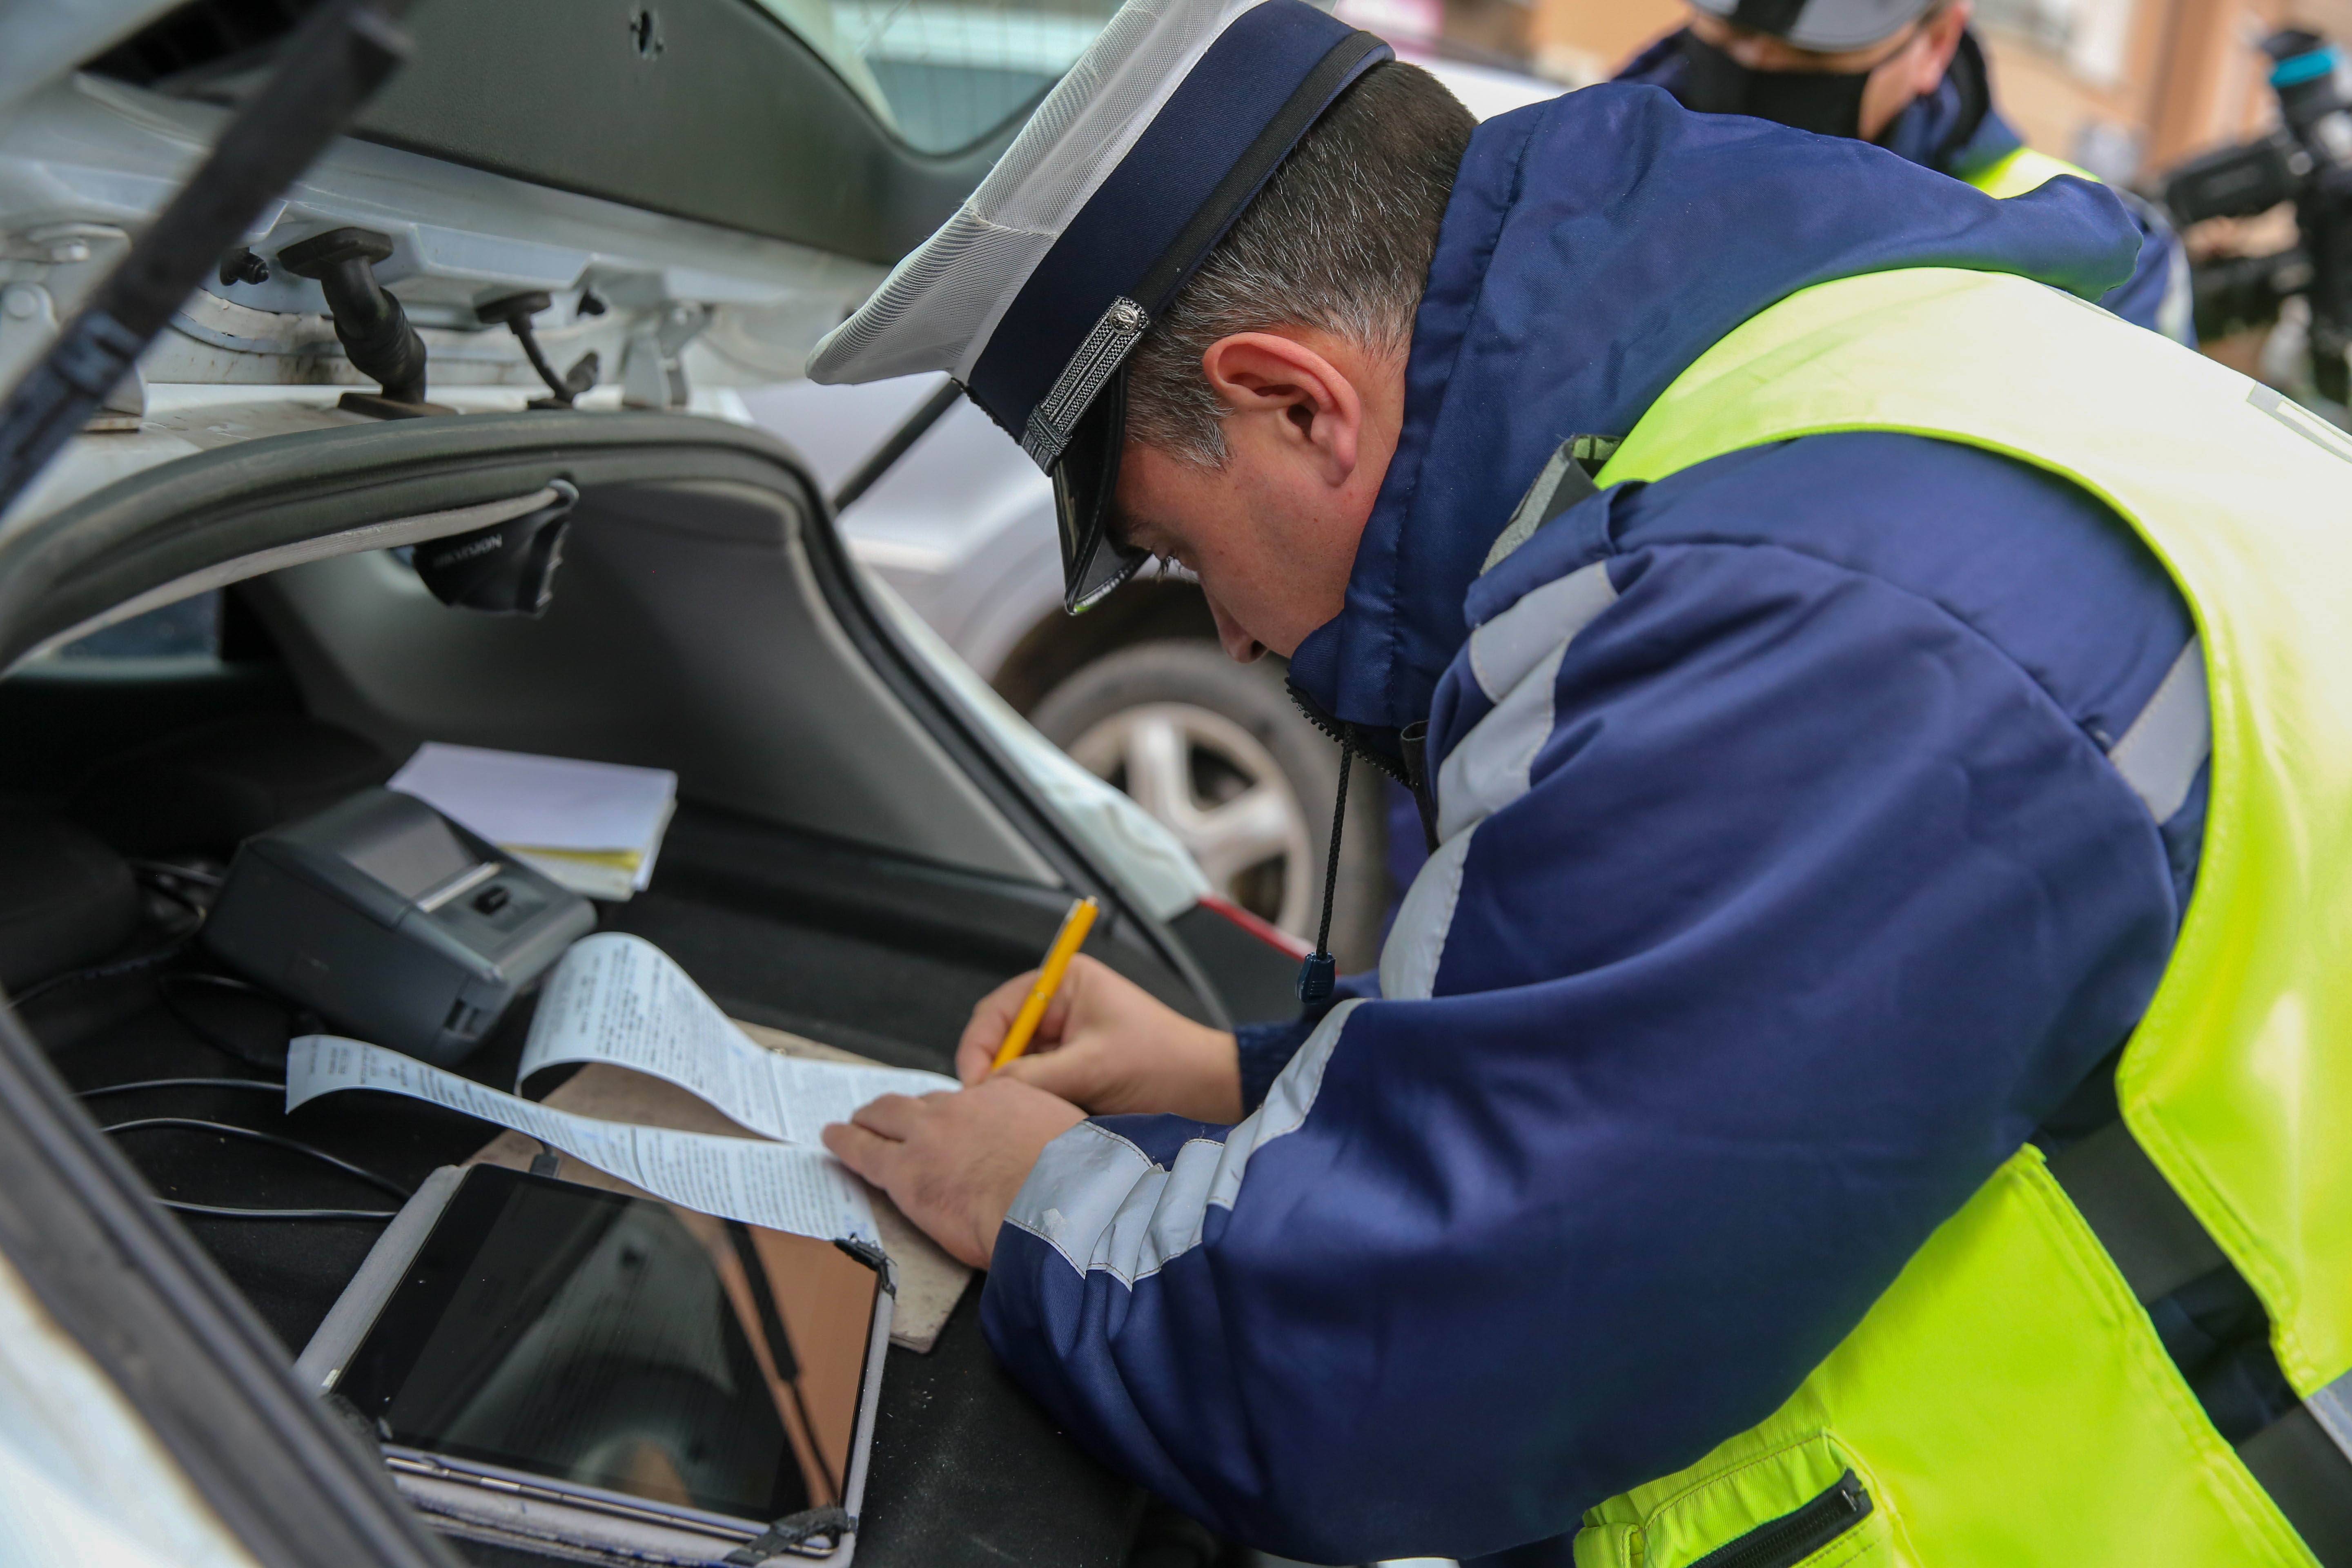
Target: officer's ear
[1940, 40]
[1291, 398]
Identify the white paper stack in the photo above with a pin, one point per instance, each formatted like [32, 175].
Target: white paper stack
[594, 827]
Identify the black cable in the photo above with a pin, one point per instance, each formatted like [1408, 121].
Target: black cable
[102, 970]
[166, 987]
[521, 329]
[201, 878]
[226, 982]
[1319, 971]
[1331, 867]
[219, 1211]
[273, 1140]
[185, 898]
[140, 960]
[930, 412]
[223, 1129]
[107, 1089]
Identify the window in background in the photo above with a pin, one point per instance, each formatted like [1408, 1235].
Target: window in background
[2093, 36]
[2043, 20]
[189, 628]
[945, 75]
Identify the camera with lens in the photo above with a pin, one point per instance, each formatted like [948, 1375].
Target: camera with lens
[2306, 161]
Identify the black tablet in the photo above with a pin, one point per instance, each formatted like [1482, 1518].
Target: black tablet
[546, 1361]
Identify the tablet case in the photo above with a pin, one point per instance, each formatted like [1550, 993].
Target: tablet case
[509, 1506]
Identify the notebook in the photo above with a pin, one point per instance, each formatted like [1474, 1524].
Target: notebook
[593, 828]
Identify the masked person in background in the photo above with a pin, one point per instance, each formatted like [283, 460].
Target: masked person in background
[1908, 75]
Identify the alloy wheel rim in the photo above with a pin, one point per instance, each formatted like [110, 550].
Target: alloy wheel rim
[1212, 784]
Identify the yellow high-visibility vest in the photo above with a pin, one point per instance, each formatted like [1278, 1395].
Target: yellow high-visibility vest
[2007, 1403]
[2023, 170]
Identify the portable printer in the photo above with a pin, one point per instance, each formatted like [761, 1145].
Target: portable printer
[392, 923]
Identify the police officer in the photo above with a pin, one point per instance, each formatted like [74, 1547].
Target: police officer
[1861, 1077]
[1908, 75]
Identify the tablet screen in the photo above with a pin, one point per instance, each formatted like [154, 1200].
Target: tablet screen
[624, 1345]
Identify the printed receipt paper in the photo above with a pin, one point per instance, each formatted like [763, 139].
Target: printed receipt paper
[616, 999]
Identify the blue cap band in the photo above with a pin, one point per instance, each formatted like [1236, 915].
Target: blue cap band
[1211, 146]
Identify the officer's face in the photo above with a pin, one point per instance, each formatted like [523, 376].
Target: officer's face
[1901, 69]
[1311, 424]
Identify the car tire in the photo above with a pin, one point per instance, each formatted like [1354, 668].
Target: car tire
[1219, 754]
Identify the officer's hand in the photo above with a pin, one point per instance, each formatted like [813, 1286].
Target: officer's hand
[1107, 1045]
[954, 1163]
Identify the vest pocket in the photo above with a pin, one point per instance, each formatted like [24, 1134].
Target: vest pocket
[1767, 1499]
[1785, 1542]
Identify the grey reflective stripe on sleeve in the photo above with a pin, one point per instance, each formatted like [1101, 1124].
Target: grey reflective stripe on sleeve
[1490, 768]
[1515, 658]
[2160, 753]
[1101, 1202]
[1565, 482]
[1533, 508]
[1417, 937]
[2332, 1408]
[1074, 1190]
[1503, 649]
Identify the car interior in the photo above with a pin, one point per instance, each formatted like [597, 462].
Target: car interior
[743, 124]
[848, 861]
[854, 858]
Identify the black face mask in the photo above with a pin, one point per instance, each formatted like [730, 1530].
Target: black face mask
[1828, 103]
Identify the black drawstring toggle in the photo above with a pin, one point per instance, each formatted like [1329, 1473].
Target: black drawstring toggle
[1318, 972]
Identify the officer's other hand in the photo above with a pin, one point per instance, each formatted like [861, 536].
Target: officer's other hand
[954, 1163]
[1107, 1045]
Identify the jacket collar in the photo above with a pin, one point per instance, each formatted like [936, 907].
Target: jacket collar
[1954, 129]
[1596, 244]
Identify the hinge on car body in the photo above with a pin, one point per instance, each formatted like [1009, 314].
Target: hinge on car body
[652, 372]
[370, 321]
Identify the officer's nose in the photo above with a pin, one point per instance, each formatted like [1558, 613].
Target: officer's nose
[1238, 644]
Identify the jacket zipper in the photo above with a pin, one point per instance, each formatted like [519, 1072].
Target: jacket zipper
[1412, 771]
[1344, 733]
[1789, 1540]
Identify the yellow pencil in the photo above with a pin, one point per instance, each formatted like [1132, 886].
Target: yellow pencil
[1075, 926]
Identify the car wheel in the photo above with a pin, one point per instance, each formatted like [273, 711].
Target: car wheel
[1217, 753]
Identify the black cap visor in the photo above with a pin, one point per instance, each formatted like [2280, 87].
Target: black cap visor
[1095, 558]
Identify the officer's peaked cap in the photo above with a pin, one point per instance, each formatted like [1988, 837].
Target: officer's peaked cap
[1033, 295]
[1831, 25]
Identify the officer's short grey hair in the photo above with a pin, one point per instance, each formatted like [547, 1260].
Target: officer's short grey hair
[1340, 238]
[1828, 26]
[1036, 293]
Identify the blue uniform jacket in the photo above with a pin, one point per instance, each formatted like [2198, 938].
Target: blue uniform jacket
[1785, 888]
[1956, 131]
